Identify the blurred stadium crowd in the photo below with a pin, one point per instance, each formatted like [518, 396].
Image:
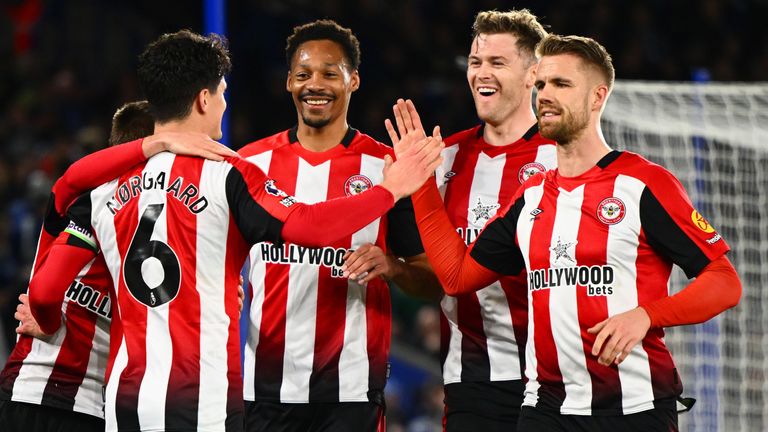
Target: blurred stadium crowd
[67, 64]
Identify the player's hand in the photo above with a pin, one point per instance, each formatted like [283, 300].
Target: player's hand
[367, 263]
[240, 297]
[186, 143]
[413, 167]
[28, 325]
[409, 127]
[617, 335]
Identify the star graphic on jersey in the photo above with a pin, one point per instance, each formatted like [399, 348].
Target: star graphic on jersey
[561, 250]
[484, 211]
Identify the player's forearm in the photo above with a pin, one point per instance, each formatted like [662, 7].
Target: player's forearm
[416, 279]
[95, 169]
[449, 257]
[715, 289]
[321, 224]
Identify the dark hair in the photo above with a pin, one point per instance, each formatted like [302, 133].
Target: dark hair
[587, 49]
[176, 67]
[324, 30]
[131, 122]
[521, 23]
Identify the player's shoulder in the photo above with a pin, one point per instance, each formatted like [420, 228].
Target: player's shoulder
[265, 144]
[363, 143]
[634, 165]
[465, 137]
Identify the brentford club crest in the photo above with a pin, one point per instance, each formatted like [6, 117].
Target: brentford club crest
[611, 211]
[529, 170]
[357, 184]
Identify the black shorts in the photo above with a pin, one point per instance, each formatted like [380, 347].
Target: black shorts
[314, 417]
[26, 417]
[663, 418]
[483, 406]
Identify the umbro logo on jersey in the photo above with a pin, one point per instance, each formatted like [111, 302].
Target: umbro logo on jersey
[484, 211]
[449, 175]
[535, 213]
[611, 211]
[357, 184]
[529, 170]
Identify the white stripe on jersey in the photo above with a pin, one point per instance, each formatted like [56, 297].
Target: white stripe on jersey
[623, 241]
[113, 381]
[353, 359]
[449, 155]
[261, 160]
[38, 365]
[256, 275]
[494, 307]
[452, 364]
[158, 345]
[532, 198]
[563, 306]
[214, 322]
[301, 308]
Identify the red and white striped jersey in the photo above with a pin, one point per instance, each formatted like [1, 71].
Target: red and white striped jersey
[314, 335]
[483, 333]
[595, 246]
[174, 232]
[66, 369]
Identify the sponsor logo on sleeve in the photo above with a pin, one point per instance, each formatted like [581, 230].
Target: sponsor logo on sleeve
[611, 211]
[271, 189]
[529, 170]
[702, 223]
[357, 184]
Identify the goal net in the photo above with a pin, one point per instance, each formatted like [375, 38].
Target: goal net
[714, 138]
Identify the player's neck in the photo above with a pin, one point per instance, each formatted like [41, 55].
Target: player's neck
[324, 138]
[186, 125]
[583, 153]
[511, 129]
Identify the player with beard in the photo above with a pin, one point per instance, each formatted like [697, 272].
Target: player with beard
[484, 332]
[598, 237]
[316, 357]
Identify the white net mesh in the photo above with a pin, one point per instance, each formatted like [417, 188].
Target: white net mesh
[714, 137]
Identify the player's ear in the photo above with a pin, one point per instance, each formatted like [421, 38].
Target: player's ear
[288, 82]
[202, 100]
[530, 74]
[600, 95]
[354, 80]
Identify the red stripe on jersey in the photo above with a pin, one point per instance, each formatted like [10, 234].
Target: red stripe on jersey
[331, 312]
[548, 368]
[653, 274]
[14, 363]
[72, 361]
[516, 290]
[592, 250]
[184, 311]
[378, 313]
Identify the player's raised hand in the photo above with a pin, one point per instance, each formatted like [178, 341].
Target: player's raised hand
[412, 168]
[186, 143]
[240, 297]
[27, 325]
[409, 127]
[617, 335]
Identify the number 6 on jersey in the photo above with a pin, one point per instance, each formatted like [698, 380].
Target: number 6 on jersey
[152, 271]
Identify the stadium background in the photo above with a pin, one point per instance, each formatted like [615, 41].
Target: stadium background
[65, 65]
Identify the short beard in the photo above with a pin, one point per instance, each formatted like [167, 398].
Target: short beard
[315, 123]
[567, 130]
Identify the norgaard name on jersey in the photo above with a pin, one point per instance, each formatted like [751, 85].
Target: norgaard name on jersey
[598, 279]
[294, 254]
[90, 299]
[187, 194]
